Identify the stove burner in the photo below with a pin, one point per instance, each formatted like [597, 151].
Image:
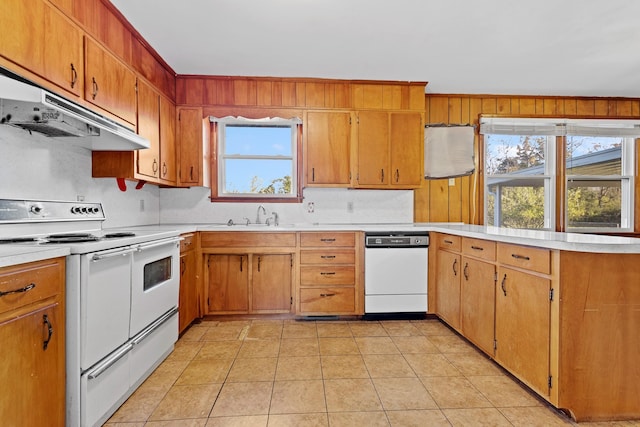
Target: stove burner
[18, 240]
[71, 238]
[119, 234]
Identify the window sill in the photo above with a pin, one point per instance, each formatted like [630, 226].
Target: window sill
[246, 199]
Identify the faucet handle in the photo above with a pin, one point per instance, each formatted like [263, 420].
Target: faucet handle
[247, 220]
[276, 219]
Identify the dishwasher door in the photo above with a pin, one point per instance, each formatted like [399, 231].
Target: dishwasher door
[395, 280]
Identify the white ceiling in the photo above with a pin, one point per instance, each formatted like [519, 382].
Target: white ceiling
[540, 47]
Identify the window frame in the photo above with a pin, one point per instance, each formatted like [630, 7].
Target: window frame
[626, 128]
[218, 160]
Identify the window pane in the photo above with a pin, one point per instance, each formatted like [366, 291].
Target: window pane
[594, 204]
[515, 204]
[258, 176]
[524, 154]
[594, 155]
[257, 140]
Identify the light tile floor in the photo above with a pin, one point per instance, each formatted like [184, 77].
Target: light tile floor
[272, 373]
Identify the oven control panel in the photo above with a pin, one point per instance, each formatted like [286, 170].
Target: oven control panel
[17, 211]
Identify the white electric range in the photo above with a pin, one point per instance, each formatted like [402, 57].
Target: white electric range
[121, 299]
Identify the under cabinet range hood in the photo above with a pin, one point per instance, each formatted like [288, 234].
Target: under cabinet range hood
[28, 106]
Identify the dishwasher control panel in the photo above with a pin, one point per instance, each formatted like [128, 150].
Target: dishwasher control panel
[396, 239]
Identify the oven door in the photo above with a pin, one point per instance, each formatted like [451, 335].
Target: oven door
[155, 282]
[105, 301]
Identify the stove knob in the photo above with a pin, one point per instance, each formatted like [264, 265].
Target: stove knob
[83, 210]
[75, 210]
[35, 209]
[95, 210]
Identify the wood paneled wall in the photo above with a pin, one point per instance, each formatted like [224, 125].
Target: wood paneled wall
[460, 199]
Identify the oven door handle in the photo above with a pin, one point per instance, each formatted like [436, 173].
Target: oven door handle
[155, 325]
[109, 362]
[145, 246]
[98, 256]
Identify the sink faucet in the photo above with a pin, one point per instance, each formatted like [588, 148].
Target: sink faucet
[258, 214]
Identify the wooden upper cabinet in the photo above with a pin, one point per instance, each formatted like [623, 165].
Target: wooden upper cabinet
[168, 165]
[406, 141]
[109, 83]
[149, 128]
[328, 148]
[373, 148]
[192, 139]
[40, 39]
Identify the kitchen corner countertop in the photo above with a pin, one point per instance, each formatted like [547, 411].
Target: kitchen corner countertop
[545, 239]
[16, 254]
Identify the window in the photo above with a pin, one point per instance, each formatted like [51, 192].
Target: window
[521, 173]
[257, 158]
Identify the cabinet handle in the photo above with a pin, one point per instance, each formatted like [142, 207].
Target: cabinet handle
[164, 169]
[259, 260]
[327, 256]
[45, 321]
[382, 175]
[241, 262]
[516, 256]
[154, 166]
[449, 242]
[74, 76]
[502, 285]
[19, 290]
[397, 175]
[95, 88]
[455, 270]
[465, 271]
[477, 248]
[327, 240]
[191, 173]
[327, 295]
[313, 174]
[183, 267]
[327, 273]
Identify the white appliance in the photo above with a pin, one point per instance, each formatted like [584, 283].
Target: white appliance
[395, 273]
[121, 299]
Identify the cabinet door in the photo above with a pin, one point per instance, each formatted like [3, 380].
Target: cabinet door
[523, 326]
[109, 84]
[228, 283]
[406, 141]
[189, 140]
[328, 148]
[22, 33]
[149, 128]
[448, 273]
[373, 148]
[63, 57]
[271, 282]
[33, 376]
[477, 302]
[188, 302]
[167, 141]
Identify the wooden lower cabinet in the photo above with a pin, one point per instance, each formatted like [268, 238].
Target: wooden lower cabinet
[32, 333]
[271, 282]
[228, 283]
[477, 302]
[448, 274]
[188, 303]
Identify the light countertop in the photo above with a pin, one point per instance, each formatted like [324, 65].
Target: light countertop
[16, 254]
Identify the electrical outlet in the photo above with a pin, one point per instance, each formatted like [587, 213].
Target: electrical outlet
[349, 207]
[141, 205]
[452, 182]
[311, 207]
[80, 198]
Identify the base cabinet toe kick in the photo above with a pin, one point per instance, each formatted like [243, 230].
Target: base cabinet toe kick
[565, 323]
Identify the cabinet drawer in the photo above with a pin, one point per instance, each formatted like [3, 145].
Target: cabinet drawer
[327, 275]
[39, 279]
[345, 256]
[327, 300]
[534, 259]
[187, 243]
[447, 241]
[479, 248]
[320, 239]
[239, 239]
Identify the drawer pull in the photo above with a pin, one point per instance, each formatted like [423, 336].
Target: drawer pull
[17, 291]
[326, 295]
[327, 273]
[328, 240]
[465, 271]
[449, 242]
[455, 270]
[502, 285]
[516, 256]
[327, 256]
[477, 248]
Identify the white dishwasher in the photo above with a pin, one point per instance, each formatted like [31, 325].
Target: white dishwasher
[395, 273]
